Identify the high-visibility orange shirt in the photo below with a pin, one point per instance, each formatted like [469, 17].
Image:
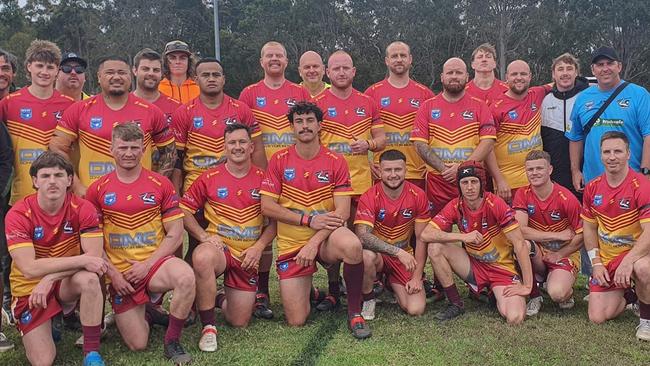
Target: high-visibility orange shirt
[183, 93]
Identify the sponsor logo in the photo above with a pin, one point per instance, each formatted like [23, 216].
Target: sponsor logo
[255, 194]
[261, 102]
[99, 168]
[110, 198]
[533, 107]
[67, 228]
[455, 155]
[589, 104]
[517, 146]
[27, 156]
[148, 198]
[222, 192]
[531, 209]
[464, 224]
[435, 113]
[25, 317]
[118, 300]
[623, 103]
[385, 101]
[204, 162]
[331, 111]
[96, 123]
[381, 215]
[361, 112]
[39, 233]
[415, 103]
[513, 115]
[290, 102]
[230, 121]
[598, 200]
[283, 267]
[58, 115]
[289, 174]
[555, 215]
[407, 213]
[469, 115]
[484, 224]
[322, 176]
[198, 122]
[252, 281]
[26, 113]
[624, 203]
[137, 240]
[272, 139]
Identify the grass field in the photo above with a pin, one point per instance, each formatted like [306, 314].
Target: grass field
[480, 337]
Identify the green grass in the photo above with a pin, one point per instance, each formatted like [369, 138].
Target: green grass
[480, 337]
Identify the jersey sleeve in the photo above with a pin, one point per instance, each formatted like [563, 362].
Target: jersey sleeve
[169, 206]
[422, 214]
[272, 182]
[342, 180]
[643, 200]
[181, 126]
[69, 123]
[427, 94]
[18, 229]
[587, 201]
[505, 215]
[92, 196]
[247, 118]
[89, 220]
[366, 209]
[487, 128]
[374, 114]
[496, 115]
[195, 196]
[447, 217]
[519, 201]
[572, 207]
[246, 97]
[420, 130]
[161, 134]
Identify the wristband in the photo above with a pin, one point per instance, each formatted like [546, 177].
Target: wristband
[597, 264]
[592, 253]
[302, 219]
[309, 218]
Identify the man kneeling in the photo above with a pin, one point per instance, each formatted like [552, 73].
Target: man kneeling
[490, 234]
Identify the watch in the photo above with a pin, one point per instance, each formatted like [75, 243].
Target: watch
[645, 171]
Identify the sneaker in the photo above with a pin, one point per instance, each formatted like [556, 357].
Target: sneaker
[262, 310]
[329, 303]
[93, 359]
[432, 291]
[368, 309]
[316, 295]
[643, 331]
[378, 288]
[586, 298]
[109, 319]
[359, 328]
[449, 313]
[7, 316]
[634, 308]
[534, 306]
[208, 342]
[175, 352]
[5, 344]
[157, 314]
[566, 305]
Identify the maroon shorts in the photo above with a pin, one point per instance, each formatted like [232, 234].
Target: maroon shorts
[236, 277]
[141, 295]
[565, 264]
[439, 194]
[421, 183]
[483, 275]
[395, 270]
[288, 268]
[611, 268]
[28, 319]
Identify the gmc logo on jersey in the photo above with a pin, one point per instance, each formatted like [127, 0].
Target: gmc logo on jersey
[458, 154]
[518, 146]
[99, 168]
[275, 139]
[27, 156]
[138, 240]
[204, 162]
[340, 147]
[238, 232]
[396, 138]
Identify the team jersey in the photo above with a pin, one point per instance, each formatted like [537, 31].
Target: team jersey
[133, 214]
[397, 108]
[488, 95]
[51, 236]
[168, 106]
[91, 122]
[199, 132]
[518, 132]
[270, 107]
[559, 211]
[393, 220]
[493, 219]
[452, 130]
[232, 206]
[618, 212]
[31, 122]
[327, 86]
[306, 187]
[628, 113]
[347, 120]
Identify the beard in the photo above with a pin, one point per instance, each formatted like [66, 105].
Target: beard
[454, 89]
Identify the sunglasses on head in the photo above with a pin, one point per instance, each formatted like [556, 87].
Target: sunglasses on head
[77, 69]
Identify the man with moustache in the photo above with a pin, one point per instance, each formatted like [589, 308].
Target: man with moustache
[89, 124]
[485, 85]
[449, 129]
[517, 114]
[312, 70]
[72, 76]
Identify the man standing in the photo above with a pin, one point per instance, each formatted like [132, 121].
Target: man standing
[389, 215]
[629, 113]
[235, 238]
[46, 233]
[450, 129]
[178, 70]
[616, 213]
[312, 70]
[90, 122]
[518, 117]
[142, 226]
[491, 239]
[306, 190]
[72, 76]
[8, 65]
[398, 99]
[549, 217]
[556, 114]
[147, 69]
[485, 86]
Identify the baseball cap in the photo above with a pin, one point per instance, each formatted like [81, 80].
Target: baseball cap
[71, 56]
[176, 46]
[606, 52]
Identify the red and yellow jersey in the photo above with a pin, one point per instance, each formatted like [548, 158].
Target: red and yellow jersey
[304, 186]
[168, 106]
[559, 211]
[232, 206]
[91, 122]
[397, 108]
[488, 95]
[270, 107]
[31, 122]
[347, 120]
[133, 215]
[618, 212]
[519, 125]
[51, 236]
[493, 219]
[199, 131]
[393, 220]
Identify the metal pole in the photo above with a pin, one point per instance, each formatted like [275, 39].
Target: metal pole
[217, 43]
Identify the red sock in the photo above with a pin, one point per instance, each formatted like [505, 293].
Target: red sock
[453, 296]
[534, 291]
[644, 310]
[353, 275]
[263, 283]
[207, 317]
[334, 288]
[91, 338]
[174, 329]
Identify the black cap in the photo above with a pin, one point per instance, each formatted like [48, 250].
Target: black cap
[71, 56]
[176, 46]
[606, 52]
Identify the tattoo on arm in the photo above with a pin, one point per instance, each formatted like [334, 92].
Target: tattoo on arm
[370, 242]
[167, 159]
[429, 156]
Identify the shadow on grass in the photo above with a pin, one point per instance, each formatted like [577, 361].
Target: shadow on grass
[312, 351]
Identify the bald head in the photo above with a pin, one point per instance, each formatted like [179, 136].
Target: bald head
[310, 57]
[340, 70]
[454, 76]
[518, 77]
[398, 58]
[311, 68]
[518, 65]
[454, 62]
[340, 56]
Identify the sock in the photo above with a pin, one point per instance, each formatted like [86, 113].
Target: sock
[148, 319]
[263, 283]
[353, 275]
[174, 329]
[534, 292]
[334, 288]
[453, 296]
[219, 300]
[207, 317]
[644, 310]
[91, 336]
[314, 294]
[630, 296]
[369, 296]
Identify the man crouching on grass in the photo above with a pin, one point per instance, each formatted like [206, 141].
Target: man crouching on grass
[491, 238]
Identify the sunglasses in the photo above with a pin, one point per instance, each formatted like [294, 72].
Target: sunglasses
[77, 69]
